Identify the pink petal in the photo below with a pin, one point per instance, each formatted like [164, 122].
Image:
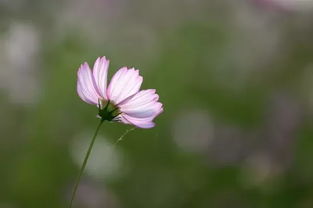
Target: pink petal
[144, 111]
[143, 105]
[141, 109]
[100, 73]
[125, 83]
[86, 85]
[139, 98]
[141, 123]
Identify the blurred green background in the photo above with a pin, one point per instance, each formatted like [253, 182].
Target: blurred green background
[235, 77]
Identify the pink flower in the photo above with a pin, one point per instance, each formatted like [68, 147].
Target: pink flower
[122, 100]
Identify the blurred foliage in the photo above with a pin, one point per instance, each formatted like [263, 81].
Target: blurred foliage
[252, 77]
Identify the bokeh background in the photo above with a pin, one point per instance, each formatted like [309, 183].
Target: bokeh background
[235, 77]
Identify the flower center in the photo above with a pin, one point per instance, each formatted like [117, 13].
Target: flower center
[108, 110]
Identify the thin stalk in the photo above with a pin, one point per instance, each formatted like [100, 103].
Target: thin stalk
[123, 135]
[84, 163]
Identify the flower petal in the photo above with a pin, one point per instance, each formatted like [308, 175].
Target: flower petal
[147, 110]
[143, 105]
[144, 96]
[86, 85]
[100, 74]
[125, 83]
[140, 109]
[141, 123]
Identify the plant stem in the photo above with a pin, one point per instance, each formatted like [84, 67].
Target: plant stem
[84, 163]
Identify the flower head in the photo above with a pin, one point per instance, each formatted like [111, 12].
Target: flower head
[122, 100]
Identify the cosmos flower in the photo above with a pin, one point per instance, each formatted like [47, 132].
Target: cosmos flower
[122, 100]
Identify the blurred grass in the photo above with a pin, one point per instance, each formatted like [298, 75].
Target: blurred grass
[193, 67]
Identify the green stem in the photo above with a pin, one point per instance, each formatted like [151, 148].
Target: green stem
[84, 163]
